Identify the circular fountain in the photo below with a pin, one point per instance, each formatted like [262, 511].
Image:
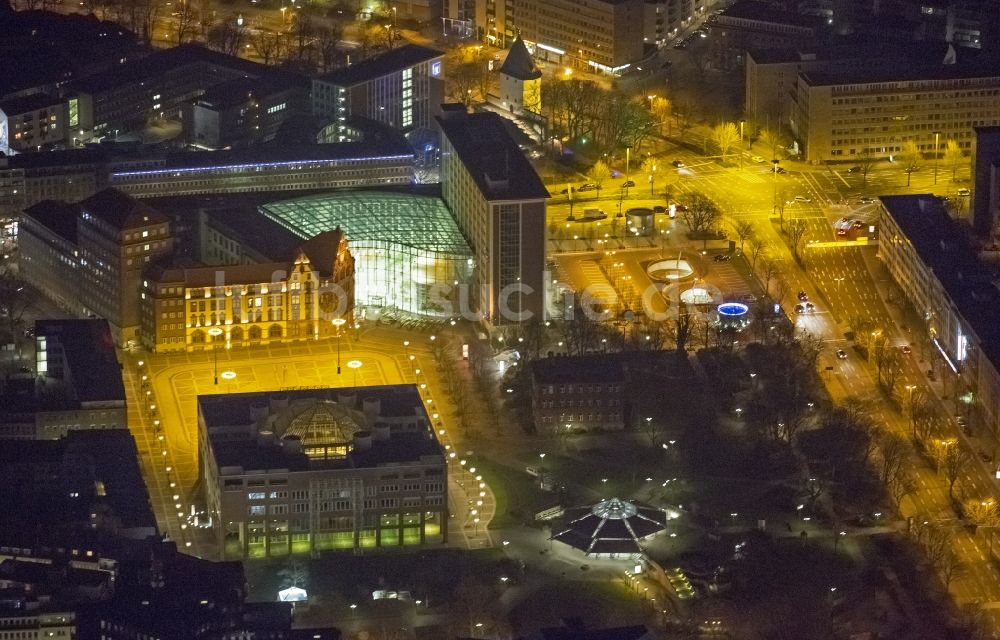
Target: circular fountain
[672, 270]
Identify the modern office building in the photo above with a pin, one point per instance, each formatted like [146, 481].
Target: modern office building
[578, 393]
[929, 256]
[663, 20]
[597, 35]
[749, 24]
[304, 471]
[86, 482]
[34, 122]
[76, 385]
[411, 256]
[378, 159]
[245, 111]
[158, 85]
[402, 88]
[118, 239]
[985, 197]
[499, 203]
[838, 115]
[208, 307]
[49, 251]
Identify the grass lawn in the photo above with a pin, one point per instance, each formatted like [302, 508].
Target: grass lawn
[517, 494]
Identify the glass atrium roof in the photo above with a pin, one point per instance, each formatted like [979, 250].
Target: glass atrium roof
[422, 222]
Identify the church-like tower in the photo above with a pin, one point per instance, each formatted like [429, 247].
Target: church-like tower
[520, 81]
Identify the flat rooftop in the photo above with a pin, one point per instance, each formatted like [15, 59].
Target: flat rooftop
[899, 73]
[274, 430]
[492, 156]
[763, 12]
[391, 61]
[578, 369]
[59, 484]
[56, 216]
[89, 350]
[945, 248]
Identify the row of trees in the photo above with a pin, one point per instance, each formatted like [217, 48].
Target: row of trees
[585, 112]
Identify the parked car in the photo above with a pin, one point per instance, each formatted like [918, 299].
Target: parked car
[566, 190]
[854, 170]
[628, 183]
[841, 233]
[841, 354]
[963, 192]
[810, 307]
[800, 308]
[757, 159]
[723, 257]
[906, 349]
[678, 164]
[802, 199]
[866, 200]
[780, 170]
[857, 224]
[659, 209]
[590, 186]
[803, 296]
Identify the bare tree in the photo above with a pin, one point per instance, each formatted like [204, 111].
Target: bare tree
[725, 135]
[227, 37]
[866, 160]
[328, 36]
[14, 302]
[796, 232]
[744, 231]
[599, 174]
[758, 245]
[953, 157]
[699, 213]
[187, 20]
[910, 158]
[268, 45]
[955, 460]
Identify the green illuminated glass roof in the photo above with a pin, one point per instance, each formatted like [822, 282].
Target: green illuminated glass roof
[422, 222]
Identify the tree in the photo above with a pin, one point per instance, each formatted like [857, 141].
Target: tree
[744, 231]
[922, 413]
[649, 168]
[268, 45]
[14, 302]
[661, 107]
[796, 232]
[328, 36]
[227, 37]
[891, 457]
[953, 157]
[187, 19]
[599, 174]
[866, 160]
[699, 213]
[725, 135]
[955, 459]
[758, 246]
[910, 158]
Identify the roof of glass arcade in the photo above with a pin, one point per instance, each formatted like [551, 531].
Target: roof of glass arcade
[417, 221]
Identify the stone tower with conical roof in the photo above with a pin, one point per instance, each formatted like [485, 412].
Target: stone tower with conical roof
[520, 81]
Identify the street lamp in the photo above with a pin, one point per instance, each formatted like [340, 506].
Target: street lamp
[355, 365]
[215, 332]
[742, 122]
[338, 323]
[937, 137]
[774, 183]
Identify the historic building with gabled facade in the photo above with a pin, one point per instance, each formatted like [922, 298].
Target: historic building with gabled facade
[201, 307]
[520, 81]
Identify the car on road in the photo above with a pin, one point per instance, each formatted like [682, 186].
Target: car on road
[802, 199]
[566, 190]
[962, 421]
[841, 233]
[757, 159]
[841, 354]
[780, 170]
[678, 164]
[802, 308]
[803, 296]
[723, 257]
[681, 45]
[590, 186]
[963, 192]
[628, 183]
[854, 170]
[857, 224]
[810, 307]
[906, 349]
[866, 200]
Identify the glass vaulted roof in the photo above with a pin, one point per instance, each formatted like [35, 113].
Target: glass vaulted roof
[422, 222]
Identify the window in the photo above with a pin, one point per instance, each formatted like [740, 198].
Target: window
[257, 510]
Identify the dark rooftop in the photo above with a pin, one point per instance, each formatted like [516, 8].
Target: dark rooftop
[56, 216]
[944, 247]
[212, 276]
[637, 632]
[59, 158]
[899, 73]
[763, 12]
[90, 356]
[923, 52]
[162, 62]
[250, 451]
[383, 64]
[26, 104]
[519, 63]
[492, 157]
[238, 91]
[120, 210]
[578, 369]
[59, 484]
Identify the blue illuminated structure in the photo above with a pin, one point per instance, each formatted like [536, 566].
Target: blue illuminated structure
[733, 309]
[733, 315]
